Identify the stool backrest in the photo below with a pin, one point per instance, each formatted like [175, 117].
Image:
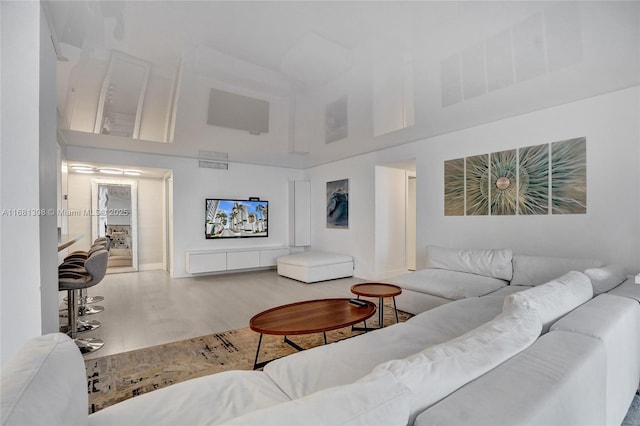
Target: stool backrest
[96, 265]
[105, 241]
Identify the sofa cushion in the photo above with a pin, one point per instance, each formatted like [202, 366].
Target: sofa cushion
[348, 360]
[452, 285]
[559, 380]
[379, 402]
[435, 372]
[628, 289]
[494, 263]
[615, 321]
[536, 270]
[211, 399]
[554, 299]
[606, 278]
[45, 384]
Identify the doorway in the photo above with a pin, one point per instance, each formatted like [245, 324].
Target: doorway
[116, 217]
[395, 218]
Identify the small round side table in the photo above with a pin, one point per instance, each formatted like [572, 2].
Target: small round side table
[379, 290]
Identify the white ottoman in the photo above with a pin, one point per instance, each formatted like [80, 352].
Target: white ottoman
[313, 266]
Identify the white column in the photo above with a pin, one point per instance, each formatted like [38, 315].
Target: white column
[28, 238]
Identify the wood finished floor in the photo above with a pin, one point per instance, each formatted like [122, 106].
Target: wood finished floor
[149, 308]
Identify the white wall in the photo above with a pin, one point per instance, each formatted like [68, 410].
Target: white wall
[611, 228]
[151, 227]
[192, 185]
[390, 222]
[28, 243]
[150, 223]
[48, 181]
[609, 231]
[359, 239]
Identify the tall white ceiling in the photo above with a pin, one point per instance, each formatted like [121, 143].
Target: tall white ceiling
[316, 51]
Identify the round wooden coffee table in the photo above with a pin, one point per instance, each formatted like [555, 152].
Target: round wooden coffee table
[379, 290]
[310, 316]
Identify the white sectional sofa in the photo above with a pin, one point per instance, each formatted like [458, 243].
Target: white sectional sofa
[454, 274]
[549, 354]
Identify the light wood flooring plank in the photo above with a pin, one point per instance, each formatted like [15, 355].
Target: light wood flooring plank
[149, 308]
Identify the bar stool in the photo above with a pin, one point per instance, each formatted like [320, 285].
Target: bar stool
[78, 258]
[82, 255]
[94, 270]
[75, 263]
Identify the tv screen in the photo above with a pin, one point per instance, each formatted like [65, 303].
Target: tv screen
[226, 218]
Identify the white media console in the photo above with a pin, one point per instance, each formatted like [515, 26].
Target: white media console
[203, 261]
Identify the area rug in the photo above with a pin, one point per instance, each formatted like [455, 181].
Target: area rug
[118, 377]
[633, 415]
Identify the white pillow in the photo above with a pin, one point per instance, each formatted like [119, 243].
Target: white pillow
[494, 263]
[554, 299]
[45, 384]
[366, 403]
[439, 370]
[606, 278]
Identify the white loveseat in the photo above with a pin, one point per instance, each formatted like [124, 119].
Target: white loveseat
[547, 354]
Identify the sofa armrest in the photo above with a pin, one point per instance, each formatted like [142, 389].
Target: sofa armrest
[615, 321]
[45, 384]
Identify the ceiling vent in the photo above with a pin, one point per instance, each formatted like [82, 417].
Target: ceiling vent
[213, 155]
[213, 165]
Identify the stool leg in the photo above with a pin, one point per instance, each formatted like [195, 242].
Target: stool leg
[76, 325]
[85, 345]
[71, 314]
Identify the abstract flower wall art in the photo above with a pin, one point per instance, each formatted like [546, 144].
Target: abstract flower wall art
[569, 176]
[533, 191]
[454, 187]
[503, 190]
[542, 179]
[477, 184]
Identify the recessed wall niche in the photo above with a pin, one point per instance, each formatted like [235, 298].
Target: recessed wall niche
[534, 180]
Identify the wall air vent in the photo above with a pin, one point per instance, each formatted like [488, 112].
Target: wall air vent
[238, 112]
[213, 155]
[213, 165]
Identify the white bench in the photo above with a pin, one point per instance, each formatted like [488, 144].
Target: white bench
[313, 266]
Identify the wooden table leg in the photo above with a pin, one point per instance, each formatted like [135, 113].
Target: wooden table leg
[395, 308]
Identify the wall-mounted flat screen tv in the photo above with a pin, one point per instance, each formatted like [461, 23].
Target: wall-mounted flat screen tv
[225, 218]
